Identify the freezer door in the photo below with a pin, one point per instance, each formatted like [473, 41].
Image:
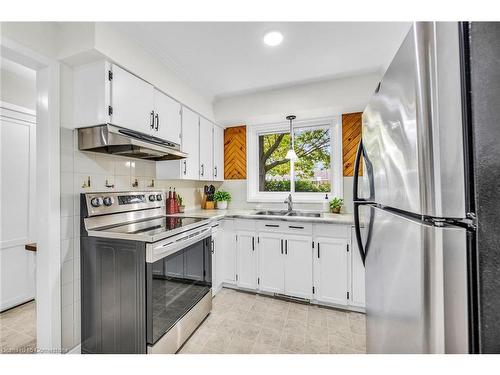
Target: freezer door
[412, 126]
[416, 286]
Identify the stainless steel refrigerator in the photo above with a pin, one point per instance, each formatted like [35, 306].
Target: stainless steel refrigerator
[415, 205]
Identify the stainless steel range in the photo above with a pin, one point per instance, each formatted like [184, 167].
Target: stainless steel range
[146, 277]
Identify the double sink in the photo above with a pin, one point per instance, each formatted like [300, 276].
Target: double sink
[288, 213]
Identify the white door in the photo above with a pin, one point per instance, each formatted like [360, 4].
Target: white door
[190, 144]
[167, 123]
[271, 263]
[206, 149]
[331, 266]
[17, 191]
[298, 266]
[132, 100]
[357, 297]
[218, 153]
[246, 260]
[227, 253]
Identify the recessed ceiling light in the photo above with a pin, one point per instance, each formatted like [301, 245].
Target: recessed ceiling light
[273, 38]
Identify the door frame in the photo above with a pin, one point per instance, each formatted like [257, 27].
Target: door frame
[48, 264]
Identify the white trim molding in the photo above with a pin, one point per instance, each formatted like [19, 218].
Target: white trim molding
[253, 193]
[48, 264]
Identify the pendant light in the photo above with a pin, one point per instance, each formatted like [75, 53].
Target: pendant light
[291, 155]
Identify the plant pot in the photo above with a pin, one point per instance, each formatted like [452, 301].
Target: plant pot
[181, 209]
[222, 205]
[335, 210]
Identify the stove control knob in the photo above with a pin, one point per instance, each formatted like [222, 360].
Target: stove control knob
[152, 198]
[108, 201]
[96, 202]
[158, 197]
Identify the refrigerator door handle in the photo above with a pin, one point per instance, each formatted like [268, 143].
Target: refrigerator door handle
[357, 232]
[369, 171]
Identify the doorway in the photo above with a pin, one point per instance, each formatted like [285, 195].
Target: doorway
[17, 208]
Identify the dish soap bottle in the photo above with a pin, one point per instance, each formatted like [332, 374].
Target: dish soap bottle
[326, 204]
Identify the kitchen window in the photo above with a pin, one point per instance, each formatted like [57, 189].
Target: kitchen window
[316, 172]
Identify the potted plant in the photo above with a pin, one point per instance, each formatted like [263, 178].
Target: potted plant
[179, 202]
[222, 198]
[336, 204]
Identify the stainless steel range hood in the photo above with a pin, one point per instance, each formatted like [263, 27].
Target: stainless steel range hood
[111, 139]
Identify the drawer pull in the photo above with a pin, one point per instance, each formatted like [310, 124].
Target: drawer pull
[272, 225]
[295, 227]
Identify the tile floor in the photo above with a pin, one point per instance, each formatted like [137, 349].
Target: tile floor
[18, 329]
[248, 323]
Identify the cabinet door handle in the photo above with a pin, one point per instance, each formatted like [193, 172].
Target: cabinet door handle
[202, 169]
[157, 122]
[185, 167]
[213, 246]
[215, 168]
[318, 250]
[281, 246]
[253, 243]
[152, 119]
[286, 247]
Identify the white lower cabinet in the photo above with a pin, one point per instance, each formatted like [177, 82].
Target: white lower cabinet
[357, 275]
[246, 260]
[285, 264]
[271, 263]
[298, 266]
[331, 276]
[321, 263]
[227, 254]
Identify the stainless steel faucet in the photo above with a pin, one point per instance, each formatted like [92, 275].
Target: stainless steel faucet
[289, 202]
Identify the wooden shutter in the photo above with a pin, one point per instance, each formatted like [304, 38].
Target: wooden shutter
[235, 153]
[351, 135]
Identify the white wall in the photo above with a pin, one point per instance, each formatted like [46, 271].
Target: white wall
[17, 84]
[305, 101]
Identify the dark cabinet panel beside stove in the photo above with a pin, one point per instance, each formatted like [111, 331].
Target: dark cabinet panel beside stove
[113, 296]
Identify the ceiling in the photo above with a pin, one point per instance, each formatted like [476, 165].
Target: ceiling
[227, 58]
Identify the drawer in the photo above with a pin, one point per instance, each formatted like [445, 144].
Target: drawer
[333, 230]
[270, 225]
[244, 224]
[291, 227]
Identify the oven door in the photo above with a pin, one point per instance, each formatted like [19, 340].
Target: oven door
[176, 283]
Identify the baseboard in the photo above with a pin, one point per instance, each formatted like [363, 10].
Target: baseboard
[14, 302]
[76, 350]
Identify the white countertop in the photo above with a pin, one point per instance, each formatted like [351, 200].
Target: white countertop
[326, 218]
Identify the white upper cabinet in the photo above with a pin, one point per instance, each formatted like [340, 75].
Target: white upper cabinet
[190, 144]
[131, 101]
[331, 270]
[206, 150]
[167, 120]
[218, 153]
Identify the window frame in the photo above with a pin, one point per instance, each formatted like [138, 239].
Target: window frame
[336, 183]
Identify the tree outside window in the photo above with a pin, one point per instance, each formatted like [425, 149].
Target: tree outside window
[310, 173]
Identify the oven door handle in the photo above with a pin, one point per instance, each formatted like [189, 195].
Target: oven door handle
[175, 245]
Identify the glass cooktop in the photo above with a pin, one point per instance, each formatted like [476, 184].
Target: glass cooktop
[155, 226]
